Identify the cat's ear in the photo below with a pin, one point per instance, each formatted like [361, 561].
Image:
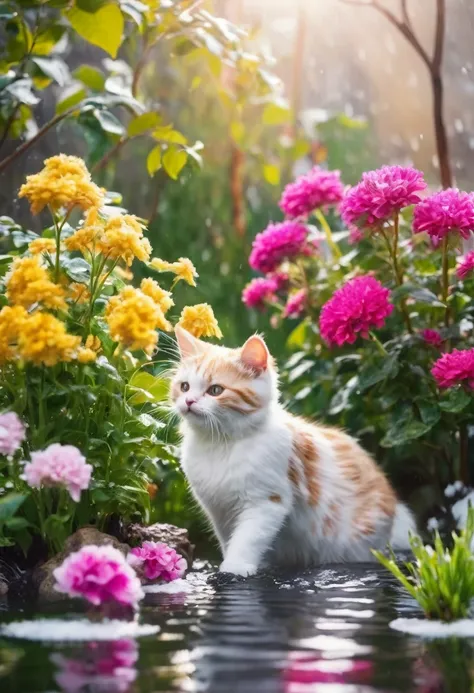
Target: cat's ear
[187, 344]
[255, 353]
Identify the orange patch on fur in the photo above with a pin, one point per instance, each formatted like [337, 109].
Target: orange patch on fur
[331, 519]
[275, 498]
[305, 450]
[293, 474]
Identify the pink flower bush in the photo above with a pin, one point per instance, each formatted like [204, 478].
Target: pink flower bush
[455, 368]
[258, 291]
[432, 337]
[466, 266]
[12, 433]
[156, 560]
[318, 188]
[445, 213]
[295, 304]
[59, 465]
[278, 242]
[380, 194]
[99, 574]
[357, 307]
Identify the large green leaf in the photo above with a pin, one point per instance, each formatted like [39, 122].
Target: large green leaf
[143, 123]
[103, 28]
[53, 67]
[90, 76]
[108, 122]
[419, 293]
[145, 387]
[399, 435]
[174, 160]
[9, 505]
[153, 161]
[455, 401]
[375, 372]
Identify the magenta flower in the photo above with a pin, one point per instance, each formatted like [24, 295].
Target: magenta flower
[258, 291]
[446, 212]
[432, 337]
[466, 266]
[59, 465]
[318, 188]
[156, 560]
[357, 307]
[380, 194]
[279, 241]
[355, 235]
[12, 433]
[455, 368]
[280, 278]
[99, 574]
[296, 304]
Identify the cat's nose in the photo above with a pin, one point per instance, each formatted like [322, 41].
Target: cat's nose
[189, 401]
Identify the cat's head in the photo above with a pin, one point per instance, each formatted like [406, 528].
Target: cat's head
[223, 391]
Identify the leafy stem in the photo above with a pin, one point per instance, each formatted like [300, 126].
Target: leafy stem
[445, 279]
[397, 270]
[328, 233]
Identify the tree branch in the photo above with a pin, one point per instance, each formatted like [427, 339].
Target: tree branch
[439, 35]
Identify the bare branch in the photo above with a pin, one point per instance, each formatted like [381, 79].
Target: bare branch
[439, 35]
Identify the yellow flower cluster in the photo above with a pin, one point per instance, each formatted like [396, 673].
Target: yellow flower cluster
[11, 320]
[133, 318]
[42, 245]
[28, 283]
[159, 295]
[84, 238]
[63, 182]
[183, 268]
[43, 340]
[200, 321]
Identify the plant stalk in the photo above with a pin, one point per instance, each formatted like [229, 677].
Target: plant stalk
[328, 233]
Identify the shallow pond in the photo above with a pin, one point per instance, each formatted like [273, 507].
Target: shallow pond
[326, 631]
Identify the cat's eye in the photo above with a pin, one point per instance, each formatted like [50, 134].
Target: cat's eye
[215, 390]
[184, 387]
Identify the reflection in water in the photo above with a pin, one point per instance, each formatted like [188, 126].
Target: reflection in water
[446, 666]
[105, 667]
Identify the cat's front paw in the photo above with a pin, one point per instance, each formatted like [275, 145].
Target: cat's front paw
[234, 568]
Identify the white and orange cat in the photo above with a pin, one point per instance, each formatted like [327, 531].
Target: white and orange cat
[279, 491]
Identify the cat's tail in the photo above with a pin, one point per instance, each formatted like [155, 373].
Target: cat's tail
[403, 524]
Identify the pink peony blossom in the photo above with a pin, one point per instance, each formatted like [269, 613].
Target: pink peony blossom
[446, 212]
[318, 188]
[59, 465]
[466, 266]
[356, 308]
[258, 291]
[99, 574]
[380, 194]
[355, 235]
[279, 241]
[156, 560]
[455, 368]
[432, 337]
[12, 433]
[296, 304]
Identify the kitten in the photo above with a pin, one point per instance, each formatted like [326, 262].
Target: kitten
[278, 489]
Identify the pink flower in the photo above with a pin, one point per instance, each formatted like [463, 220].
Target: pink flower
[258, 291]
[156, 560]
[446, 212]
[12, 433]
[59, 465]
[302, 670]
[356, 308]
[99, 574]
[455, 368]
[295, 304]
[466, 266]
[279, 241]
[355, 235]
[380, 194]
[280, 279]
[318, 188]
[432, 337]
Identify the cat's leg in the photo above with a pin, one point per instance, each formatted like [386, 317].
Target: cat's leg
[256, 528]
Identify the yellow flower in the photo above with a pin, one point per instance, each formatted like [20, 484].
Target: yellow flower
[11, 320]
[125, 274]
[123, 238]
[133, 318]
[43, 340]
[79, 293]
[183, 268]
[159, 295]
[28, 283]
[85, 238]
[63, 182]
[42, 245]
[85, 355]
[93, 342]
[200, 321]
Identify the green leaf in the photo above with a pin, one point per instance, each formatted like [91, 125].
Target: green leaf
[153, 160]
[399, 435]
[103, 28]
[167, 134]
[143, 123]
[174, 160]
[276, 114]
[149, 388]
[53, 67]
[429, 412]
[9, 505]
[108, 122]
[297, 337]
[375, 372]
[419, 293]
[17, 523]
[237, 131]
[21, 90]
[70, 96]
[90, 76]
[77, 269]
[271, 173]
[47, 38]
[455, 401]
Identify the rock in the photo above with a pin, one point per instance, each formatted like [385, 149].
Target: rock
[43, 577]
[3, 587]
[176, 537]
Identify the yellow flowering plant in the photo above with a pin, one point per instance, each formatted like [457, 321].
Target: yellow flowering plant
[80, 353]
